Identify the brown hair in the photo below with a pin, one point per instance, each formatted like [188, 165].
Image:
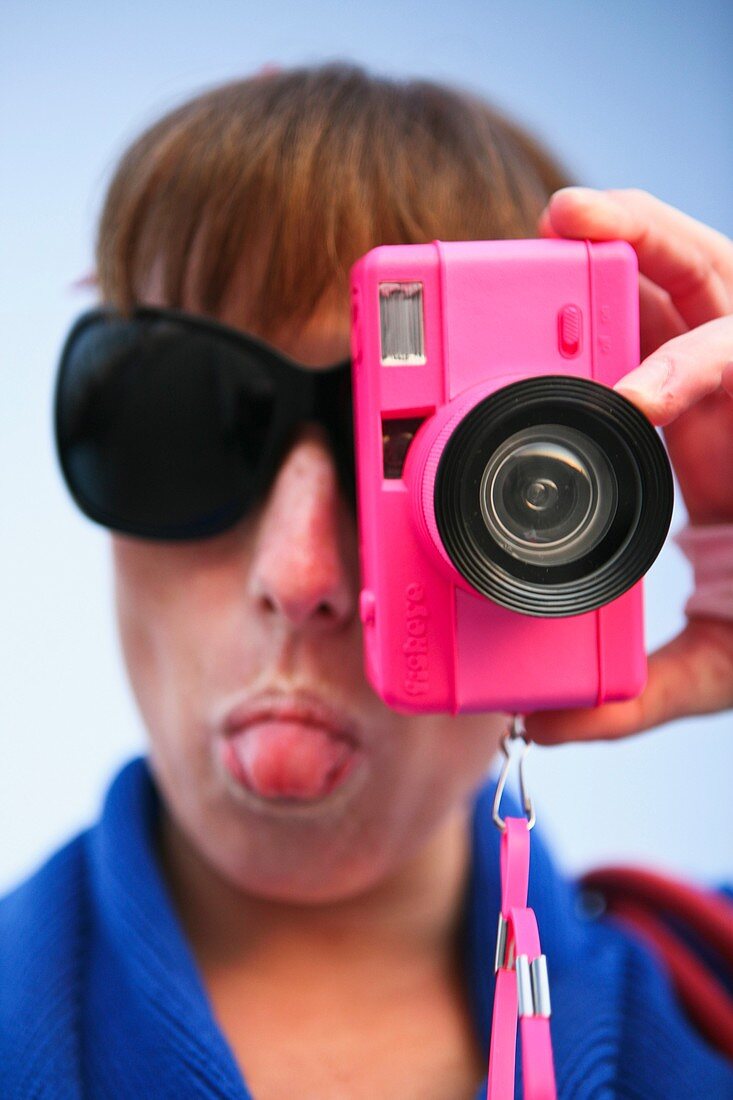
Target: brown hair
[319, 165]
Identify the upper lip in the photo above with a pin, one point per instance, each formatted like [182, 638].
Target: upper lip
[295, 707]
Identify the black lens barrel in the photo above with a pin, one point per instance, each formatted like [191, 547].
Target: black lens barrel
[629, 545]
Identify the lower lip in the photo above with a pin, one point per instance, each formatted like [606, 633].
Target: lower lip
[287, 761]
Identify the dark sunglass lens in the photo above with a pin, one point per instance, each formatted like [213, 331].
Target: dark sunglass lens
[162, 429]
[343, 434]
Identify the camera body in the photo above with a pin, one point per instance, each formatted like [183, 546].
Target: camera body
[482, 378]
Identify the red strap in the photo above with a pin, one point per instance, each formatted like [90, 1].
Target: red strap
[709, 914]
[645, 900]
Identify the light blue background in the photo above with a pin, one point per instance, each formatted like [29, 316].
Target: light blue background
[630, 94]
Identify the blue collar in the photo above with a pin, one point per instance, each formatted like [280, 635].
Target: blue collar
[100, 995]
[167, 1004]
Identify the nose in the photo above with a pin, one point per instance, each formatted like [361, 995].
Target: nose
[305, 564]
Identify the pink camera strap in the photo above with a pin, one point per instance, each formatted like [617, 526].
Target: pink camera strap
[521, 995]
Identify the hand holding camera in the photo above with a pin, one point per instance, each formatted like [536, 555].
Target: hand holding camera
[685, 292]
[685, 386]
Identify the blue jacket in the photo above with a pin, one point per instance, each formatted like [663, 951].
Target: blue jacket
[100, 995]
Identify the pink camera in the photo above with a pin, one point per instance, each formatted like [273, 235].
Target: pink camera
[510, 501]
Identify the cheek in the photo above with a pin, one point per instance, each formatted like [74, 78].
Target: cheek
[460, 753]
[146, 619]
[440, 761]
[176, 612]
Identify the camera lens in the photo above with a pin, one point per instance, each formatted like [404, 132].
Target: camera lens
[548, 494]
[553, 496]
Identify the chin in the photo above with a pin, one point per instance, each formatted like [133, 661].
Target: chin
[309, 889]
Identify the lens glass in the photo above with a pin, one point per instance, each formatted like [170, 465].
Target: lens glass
[553, 496]
[548, 494]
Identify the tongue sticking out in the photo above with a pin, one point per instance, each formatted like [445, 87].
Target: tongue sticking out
[280, 759]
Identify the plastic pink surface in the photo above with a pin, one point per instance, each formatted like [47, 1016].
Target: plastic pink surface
[522, 938]
[495, 312]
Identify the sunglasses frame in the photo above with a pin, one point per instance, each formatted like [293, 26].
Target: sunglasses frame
[302, 394]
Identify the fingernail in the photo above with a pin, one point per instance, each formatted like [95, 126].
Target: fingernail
[647, 380]
[599, 201]
[577, 192]
[544, 222]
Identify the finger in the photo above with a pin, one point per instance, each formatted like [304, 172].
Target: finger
[727, 379]
[681, 372]
[692, 674]
[691, 261]
[545, 224]
[659, 321]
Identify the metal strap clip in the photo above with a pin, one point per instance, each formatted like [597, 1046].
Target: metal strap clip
[516, 732]
[533, 986]
[503, 959]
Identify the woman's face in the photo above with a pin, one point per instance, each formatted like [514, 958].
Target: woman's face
[267, 613]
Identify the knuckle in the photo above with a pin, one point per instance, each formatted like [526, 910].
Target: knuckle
[697, 274]
[668, 406]
[668, 402]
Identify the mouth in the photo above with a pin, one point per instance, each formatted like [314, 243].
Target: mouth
[289, 749]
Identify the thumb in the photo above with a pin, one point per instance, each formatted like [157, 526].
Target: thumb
[692, 674]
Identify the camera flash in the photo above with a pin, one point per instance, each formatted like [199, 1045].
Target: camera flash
[401, 324]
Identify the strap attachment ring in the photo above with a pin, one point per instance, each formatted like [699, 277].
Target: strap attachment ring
[516, 732]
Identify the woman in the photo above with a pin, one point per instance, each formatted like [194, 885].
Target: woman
[296, 890]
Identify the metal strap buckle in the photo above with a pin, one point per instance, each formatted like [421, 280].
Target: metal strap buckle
[516, 732]
[533, 986]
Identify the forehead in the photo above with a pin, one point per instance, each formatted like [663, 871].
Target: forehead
[322, 341]
[319, 342]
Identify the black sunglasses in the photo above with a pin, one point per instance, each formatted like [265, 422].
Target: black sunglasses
[170, 426]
